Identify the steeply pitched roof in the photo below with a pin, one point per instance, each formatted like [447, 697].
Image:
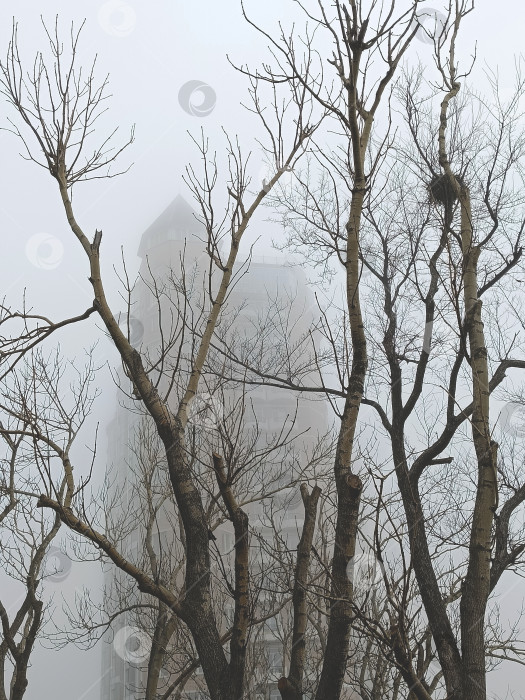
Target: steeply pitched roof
[176, 222]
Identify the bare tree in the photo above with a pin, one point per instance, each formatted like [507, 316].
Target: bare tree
[433, 216]
[31, 402]
[359, 36]
[58, 109]
[144, 525]
[441, 228]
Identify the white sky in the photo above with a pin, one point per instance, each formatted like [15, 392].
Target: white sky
[151, 49]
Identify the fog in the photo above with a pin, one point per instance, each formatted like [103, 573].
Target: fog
[158, 55]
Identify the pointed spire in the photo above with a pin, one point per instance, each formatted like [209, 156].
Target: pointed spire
[177, 222]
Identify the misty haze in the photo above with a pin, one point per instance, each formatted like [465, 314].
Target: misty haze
[262, 351]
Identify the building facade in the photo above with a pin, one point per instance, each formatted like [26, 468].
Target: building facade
[268, 316]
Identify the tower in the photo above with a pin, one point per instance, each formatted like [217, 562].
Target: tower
[174, 262]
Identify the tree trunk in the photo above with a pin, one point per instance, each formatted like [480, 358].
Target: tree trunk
[291, 688]
[164, 628]
[476, 586]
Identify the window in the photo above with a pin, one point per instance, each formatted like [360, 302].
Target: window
[227, 542]
[272, 624]
[229, 613]
[275, 659]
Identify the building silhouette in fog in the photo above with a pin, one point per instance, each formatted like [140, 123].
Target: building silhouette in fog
[174, 240]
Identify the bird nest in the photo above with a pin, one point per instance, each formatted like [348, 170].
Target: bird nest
[442, 190]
